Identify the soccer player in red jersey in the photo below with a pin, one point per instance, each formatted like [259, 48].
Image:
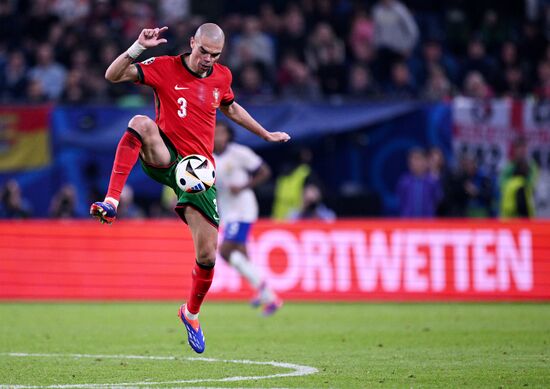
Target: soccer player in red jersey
[188, 88]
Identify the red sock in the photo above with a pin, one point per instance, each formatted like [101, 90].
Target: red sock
[127, 153]
[202, 279]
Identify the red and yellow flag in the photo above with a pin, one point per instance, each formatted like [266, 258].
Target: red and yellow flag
[24, 137]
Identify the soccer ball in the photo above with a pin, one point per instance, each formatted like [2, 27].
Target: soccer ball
[195, 174]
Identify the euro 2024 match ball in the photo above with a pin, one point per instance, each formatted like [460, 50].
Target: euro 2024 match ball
[195, 174]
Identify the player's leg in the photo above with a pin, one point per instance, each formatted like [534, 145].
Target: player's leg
[235, 254]
[233, 250]
[205, 237]
[141, 137]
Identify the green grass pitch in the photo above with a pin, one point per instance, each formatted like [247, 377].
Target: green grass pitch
[350, 345]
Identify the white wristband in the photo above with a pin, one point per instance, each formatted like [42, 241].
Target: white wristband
[135, 50]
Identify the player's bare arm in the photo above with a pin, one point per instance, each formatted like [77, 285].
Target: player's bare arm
[240, 116]
[259, 177]
[121, 69]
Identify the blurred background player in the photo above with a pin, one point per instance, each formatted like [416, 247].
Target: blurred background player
[189, 88]
[238, 171]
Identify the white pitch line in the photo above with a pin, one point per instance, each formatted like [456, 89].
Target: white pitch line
[299, 370]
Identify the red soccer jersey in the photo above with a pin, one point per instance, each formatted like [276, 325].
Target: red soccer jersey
[186, 103]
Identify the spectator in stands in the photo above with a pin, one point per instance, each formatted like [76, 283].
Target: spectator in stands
[80, 60]
[164, 207]
[326, 54]
[514, 84]
[13, 83]
[477, 60]
[108, 53]
[293, 37]
[10, 27]
[439, 171]
[75, 92]
[289, 186]
[71, 11]
[433, 57]
[401, 84]
[476, 87]
[493, 30]
[34, 93]
[128, 209]
[251, 84]
[269, 19]
[437, 167]
[312, 206]
[97, 36]
[172, 11]
[295, 80]
[332, 76]
[394, 27]
[71, 41]
[533, 43]
[322, 42]
[63, 204]
[361, 84]
[517, 199]
[95, 80]
[99, 90]
[472, 190]
[519, 156]
[542, 90]
[457, 28]
[252, 46]
[135, 16]
[395, 33]
[361, 38]
[390, 36]
[417, 192]
[12, 204]
[437, 87]
[50, 74]
[508, 55]
[512, 79]
[39, 20]
[546, 56]
[55, 39]
[326, 11]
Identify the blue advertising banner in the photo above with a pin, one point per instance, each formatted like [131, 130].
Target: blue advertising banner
[84, 141]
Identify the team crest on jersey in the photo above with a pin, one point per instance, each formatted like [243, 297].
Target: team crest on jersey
[149, 61]
[216, 94]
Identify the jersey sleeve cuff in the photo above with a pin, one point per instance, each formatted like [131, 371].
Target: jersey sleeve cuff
[227, 103]
[141, 77]
[253, 172]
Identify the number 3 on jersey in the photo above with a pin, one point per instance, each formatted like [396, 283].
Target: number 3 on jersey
[182, 112]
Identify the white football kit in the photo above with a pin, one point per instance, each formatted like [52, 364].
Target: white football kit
[233, 168]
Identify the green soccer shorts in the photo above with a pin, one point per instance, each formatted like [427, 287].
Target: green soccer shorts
[204, 202]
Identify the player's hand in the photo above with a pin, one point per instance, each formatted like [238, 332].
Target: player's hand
[149, 37]
[278, 136]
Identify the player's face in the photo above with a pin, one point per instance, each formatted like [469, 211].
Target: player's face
[204, 54]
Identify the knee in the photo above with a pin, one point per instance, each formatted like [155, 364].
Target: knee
[207, 256]
[142, 124]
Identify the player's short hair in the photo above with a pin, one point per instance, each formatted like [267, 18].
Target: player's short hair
[230, 130]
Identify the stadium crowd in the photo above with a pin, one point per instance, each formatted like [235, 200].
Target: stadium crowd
[429, 189]
[58, 50]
